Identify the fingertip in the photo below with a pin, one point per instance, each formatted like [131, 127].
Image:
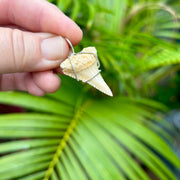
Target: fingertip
[80, 36]
[75, 34]
[70, 30]
[40, 16]
[32, 88]
[47, 81]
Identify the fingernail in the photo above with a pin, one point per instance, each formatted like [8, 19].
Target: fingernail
[53, 48]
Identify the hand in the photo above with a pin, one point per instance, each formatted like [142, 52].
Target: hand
[32, 43]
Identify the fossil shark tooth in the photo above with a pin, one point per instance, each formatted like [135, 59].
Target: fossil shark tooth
[84, 66]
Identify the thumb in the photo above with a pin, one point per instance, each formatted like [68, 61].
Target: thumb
[27, 52]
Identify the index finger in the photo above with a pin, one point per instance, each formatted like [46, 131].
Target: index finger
[39, 16]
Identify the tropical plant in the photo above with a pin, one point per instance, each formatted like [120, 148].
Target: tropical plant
[81, 134]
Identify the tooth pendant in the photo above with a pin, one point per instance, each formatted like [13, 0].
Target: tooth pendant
[84, 66]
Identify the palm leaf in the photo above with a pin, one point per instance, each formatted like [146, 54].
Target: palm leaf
[95, 145]
[72, 135]
[165, 57]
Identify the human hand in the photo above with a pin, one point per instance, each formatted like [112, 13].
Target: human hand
[29, 48]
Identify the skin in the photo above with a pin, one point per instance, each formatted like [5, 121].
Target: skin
[31, 21]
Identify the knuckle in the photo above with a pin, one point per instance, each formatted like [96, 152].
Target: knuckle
[18, 49]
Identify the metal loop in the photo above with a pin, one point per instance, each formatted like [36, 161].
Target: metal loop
[73, 67]
[92, 77]
[75, 74]
[69, 42]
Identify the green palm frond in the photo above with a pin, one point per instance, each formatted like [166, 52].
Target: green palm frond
[101, 139]
[121, 36]
[76, 133]
[160, 59]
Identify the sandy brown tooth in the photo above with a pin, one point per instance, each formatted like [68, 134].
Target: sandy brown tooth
[86, 67]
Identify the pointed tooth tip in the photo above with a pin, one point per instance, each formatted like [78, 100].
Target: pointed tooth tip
[99, 83]
[104, 89]
[108, 92]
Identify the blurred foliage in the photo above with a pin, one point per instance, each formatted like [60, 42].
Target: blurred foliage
[78, 133]
[128, 45]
